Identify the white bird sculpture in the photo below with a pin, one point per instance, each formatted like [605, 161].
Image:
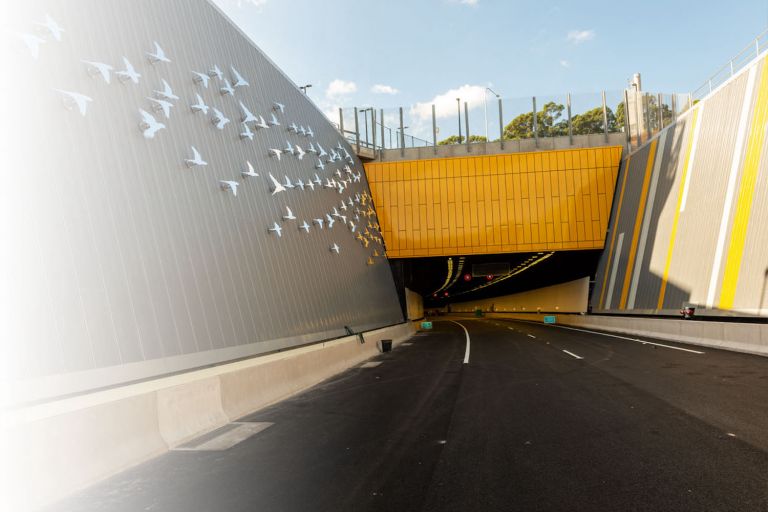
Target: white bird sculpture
[248, 116]
[289, 215]
[250, 172]
[299, 152]
[338, 173]
[278, 106]
[52, 27]
[335, 248]
[158, 55]
[200, 106]
[149, 124]
[201, 78]
[343, 205]
[312, 148]
[129, 73]
[310, 133]
[302, 130]
[300, 184]
[319, 222]
[276, 186]
[215, 72]
[99, 68]
[33, 43]
[246, 133]
[75, 99]
[322, 151]
[335, 212]
[320, 165]
[229, 185]
[226, 88]
[273, 121]
[305, 227]
[276, 229]
[261, 123]
[275, 152]
[167, 92]
[311, 185]
[239, 80]
[293, 128]
[196, 159]
[288, 148]
[317, 180]
[219, 119]
[329, 220]
[163, 105]
[288, 183]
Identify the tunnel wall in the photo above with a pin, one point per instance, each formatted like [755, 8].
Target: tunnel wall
[689, 224]
[570, 297]
[125, 262]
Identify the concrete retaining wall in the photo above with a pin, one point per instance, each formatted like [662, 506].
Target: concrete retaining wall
[53, 449]
[570, 297]
[739, 337]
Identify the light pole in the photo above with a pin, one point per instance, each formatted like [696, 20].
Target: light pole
[365, 112]
[458, 109]
[485, 108]
[400, 134]
[303, 88]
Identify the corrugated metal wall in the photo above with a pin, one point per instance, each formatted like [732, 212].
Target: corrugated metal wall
[539, 201]
[124, 257]
[689, 219]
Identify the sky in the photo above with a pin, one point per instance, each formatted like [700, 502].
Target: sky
[413, 53]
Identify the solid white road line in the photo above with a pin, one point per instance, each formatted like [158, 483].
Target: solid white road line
[532, 336]
[572, 354]
[466, 352]
[631, 339]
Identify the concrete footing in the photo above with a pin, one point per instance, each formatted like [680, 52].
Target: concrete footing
[54, 449]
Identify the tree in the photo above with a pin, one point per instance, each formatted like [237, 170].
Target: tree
[455, 139]
[591, 121]
[548, 120]
[621, 117]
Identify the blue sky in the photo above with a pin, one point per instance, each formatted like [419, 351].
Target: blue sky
[402, 53]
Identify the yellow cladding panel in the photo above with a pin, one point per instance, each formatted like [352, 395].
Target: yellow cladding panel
[521, 202]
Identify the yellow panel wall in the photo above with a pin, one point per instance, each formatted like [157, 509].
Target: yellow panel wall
[487, 204]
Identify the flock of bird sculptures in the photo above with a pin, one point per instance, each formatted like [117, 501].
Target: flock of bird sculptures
[349, 211]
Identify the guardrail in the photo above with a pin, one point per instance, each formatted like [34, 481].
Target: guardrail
[738, 62]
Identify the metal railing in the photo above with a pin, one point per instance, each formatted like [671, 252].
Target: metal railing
[737, 63]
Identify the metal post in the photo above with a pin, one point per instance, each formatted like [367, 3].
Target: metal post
[570, 124]
[402, 134]
[627, 131]
[365, 113]
[535, 123]
[661, 112]
[373, 130]
[434, 129]
[458, 109]
[605, 118]
[466, 124]
[636, 97]
[485, 112]
[674, 106]
[341, 121]
[501, 126]
[357, 133]
[381, 116]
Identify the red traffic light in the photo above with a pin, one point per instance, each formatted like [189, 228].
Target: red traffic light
[467, 277]
[445, 294]
[489, 277]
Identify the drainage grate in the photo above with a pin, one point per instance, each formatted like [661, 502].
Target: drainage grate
[225, 437]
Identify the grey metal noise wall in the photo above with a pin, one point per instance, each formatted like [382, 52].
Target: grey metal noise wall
[121, 261]
[690, 217]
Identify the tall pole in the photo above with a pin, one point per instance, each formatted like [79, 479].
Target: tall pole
[373, 130]
[661, 111]
[402, 134]
[365, 113]
[357, 132]
[605, 118]
[485, 112]
[466, 124]
[535, 123]
[458, 109]
[341, 121]
[501, 126]
[627, 131]
[570, 124]
[381, 118]
[434, 129]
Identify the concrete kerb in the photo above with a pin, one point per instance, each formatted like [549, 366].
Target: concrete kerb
[57, 448]
[738, 337]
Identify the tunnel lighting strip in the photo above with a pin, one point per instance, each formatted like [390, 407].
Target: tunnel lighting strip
[535, 261]
[459, 269]
[447, 278]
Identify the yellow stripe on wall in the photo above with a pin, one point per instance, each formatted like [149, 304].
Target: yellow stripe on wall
[613, 234]
[676, 218]
[638, 222]
[491, 204]
[746, 195]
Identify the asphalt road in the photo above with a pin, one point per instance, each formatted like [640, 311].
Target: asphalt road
[525, 425]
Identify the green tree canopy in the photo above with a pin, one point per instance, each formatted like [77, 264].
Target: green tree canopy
[548, 119]
[591, 121]
[455, 139]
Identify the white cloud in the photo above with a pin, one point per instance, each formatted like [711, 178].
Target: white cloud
[383, 89]
[253, 3]
[445, 103]
[580, 36]
[472, 3]
[565, 63]
[339, 88]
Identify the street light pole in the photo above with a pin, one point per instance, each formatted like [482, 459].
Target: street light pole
[458, 109]
[304, 88]
[485, 108]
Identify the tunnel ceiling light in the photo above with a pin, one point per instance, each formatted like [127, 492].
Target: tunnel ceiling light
[447, 278]
[503, 278]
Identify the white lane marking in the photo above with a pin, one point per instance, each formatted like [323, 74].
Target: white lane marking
[510, 328]
[614, 268]
[692, 158]
[631, 339]
[466, 352]
[572, 354]
[532, 336]
[371, 364]
[647, 219]
[730, 191]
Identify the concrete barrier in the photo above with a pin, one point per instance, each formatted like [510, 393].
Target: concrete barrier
[53, 449]
[750, 338]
